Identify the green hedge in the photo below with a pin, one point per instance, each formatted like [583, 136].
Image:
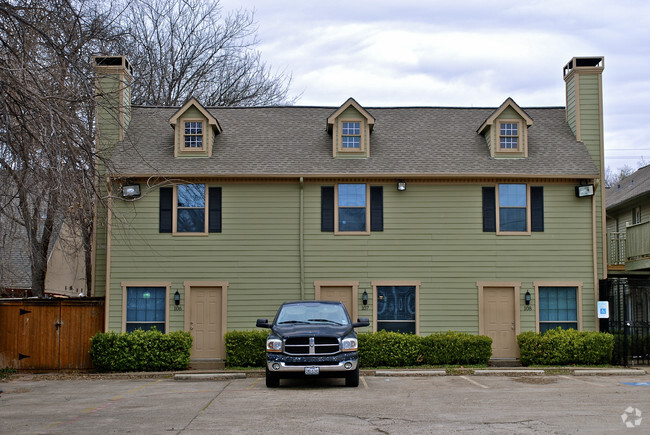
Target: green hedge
[565, 347]
[246, 348]
[378, 349]
[140, 351]
[392, 349]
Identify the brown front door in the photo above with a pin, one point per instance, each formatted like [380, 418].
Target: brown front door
[205, 322]
[339, 294]
[499, 321]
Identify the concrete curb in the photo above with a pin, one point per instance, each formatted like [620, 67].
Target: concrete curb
[609, 372]
[208, 376]
[397, 373]
[510, 372]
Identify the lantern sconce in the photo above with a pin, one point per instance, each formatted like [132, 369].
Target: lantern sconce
[527, 298]
[177, 298]
[364, 298]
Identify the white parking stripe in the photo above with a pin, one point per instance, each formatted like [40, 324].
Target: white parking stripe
[580, 380]
[474, 382]
[365, 384]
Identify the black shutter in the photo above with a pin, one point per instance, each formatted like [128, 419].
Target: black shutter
[165, 214]
[537, 208]
[376, 208]
[489, 210]
[214, 210]
[327, 209]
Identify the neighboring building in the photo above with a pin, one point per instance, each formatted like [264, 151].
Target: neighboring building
[66, 268]
[439, 218]
[628, 248]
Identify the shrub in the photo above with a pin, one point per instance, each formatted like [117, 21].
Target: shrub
[565, 347]
[140, 351]
[391, 349]
[246, 348]
[450, 347]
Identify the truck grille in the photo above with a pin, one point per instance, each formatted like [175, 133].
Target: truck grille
[312, 346]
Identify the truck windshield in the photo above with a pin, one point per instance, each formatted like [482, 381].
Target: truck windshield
[312, 313]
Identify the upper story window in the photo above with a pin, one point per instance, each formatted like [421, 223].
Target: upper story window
[516, 209]
[352, 208]
[190, 208]
[513, 207]
[351, 135]
[509, 136]
[193, 137]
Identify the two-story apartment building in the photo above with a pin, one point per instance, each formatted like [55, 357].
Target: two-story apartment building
[484, 220]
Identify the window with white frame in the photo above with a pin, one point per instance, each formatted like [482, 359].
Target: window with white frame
[193, 135]
[351, 135]
[509, 136]
[352, 207]
[513, 208]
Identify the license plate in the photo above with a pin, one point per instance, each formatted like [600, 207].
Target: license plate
[312, 370]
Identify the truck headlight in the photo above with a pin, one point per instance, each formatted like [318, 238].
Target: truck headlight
[349, 344]
[273, 345]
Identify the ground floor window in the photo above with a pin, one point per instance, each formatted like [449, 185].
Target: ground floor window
[396, 308]
[145, 308]
[558, 306]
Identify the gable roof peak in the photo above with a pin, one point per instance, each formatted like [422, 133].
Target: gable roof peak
[509, 102]
[350, 102]
[192, 101]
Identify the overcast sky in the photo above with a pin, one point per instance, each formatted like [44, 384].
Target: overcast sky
[463, 53]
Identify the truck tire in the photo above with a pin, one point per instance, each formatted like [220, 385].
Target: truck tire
[352, 378]
[273, 380]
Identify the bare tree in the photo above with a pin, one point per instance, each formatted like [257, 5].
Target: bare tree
[185, 48]
[46, 134]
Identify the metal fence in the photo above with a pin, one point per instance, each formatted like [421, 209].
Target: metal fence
[629, 322]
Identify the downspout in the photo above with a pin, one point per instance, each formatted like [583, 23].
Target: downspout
[301, 238]
[594, 242]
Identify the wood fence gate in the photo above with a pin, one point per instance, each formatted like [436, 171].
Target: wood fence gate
[49, 334]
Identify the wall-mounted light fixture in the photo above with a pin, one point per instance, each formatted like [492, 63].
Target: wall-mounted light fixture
[401, 185]
[364, 298]
[584, 190]
[527, 298]
[131, 190]
[177, 298]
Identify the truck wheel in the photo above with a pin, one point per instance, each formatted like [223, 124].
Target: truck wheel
[352, 378]
[273, 380]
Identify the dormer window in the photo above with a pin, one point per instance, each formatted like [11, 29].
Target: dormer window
[194, 135]
[350, 126]
[194, 130]
[509, 136]
[351, 136]
[506, 131]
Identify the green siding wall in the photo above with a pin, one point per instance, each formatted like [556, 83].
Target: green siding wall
[429, 236]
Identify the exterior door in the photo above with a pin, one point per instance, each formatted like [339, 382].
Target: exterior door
[205, 323]
[500, 321]
[339, 294]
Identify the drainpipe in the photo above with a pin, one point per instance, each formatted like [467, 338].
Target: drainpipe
[302, 238]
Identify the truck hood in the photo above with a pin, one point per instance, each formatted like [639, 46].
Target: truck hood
[299, 330]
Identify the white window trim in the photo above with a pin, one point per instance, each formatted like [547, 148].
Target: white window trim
[519, 136]
[362, 137]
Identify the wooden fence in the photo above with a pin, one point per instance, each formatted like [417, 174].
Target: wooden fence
[49, 334]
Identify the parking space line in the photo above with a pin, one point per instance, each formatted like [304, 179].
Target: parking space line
[257, 381]
[580, 380]
[363, 381]
[474, 382]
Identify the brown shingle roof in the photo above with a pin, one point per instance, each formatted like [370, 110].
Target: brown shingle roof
[292, 140]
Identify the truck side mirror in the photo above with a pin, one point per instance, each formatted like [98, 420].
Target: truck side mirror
[263, 323]
[361, 322]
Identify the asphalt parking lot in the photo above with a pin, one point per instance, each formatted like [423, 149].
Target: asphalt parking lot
[391, 405]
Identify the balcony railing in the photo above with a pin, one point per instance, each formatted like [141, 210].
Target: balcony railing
[630, 248]
[616, 249]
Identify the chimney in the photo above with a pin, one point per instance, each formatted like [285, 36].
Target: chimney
[584, 102]
[113, 77]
